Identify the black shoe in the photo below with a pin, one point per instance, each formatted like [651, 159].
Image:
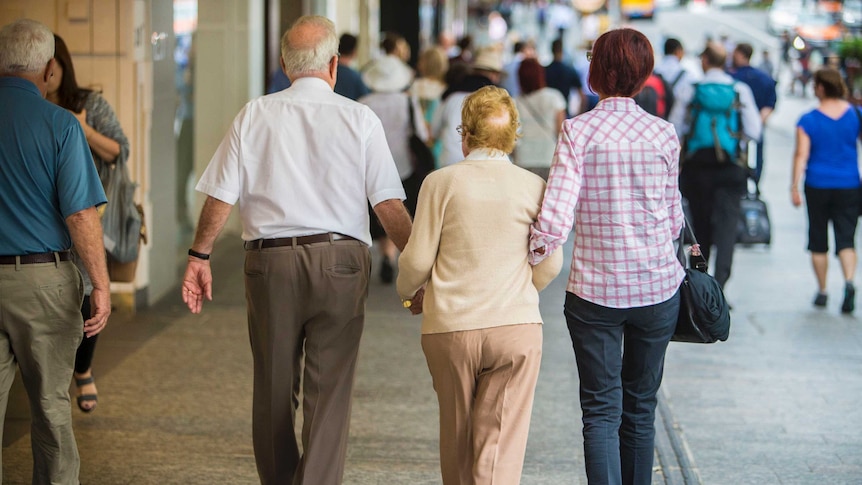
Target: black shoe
[387, 272]
[820, 300]
[849, 298]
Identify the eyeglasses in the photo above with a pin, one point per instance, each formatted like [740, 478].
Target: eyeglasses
[589, 56]
[461, 130]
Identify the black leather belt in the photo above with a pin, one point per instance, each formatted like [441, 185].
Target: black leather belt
[37, 258]
[296, 241]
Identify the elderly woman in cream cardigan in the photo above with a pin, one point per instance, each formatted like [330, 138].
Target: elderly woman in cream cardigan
[465, 269]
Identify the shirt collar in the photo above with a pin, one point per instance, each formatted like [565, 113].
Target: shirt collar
[487, 154]
[617, 104]
[716, 74]
[311, 83]
[21, 83]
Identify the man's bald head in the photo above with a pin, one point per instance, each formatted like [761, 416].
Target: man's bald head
[307, 48]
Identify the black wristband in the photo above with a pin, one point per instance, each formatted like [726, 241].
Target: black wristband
[198, 255]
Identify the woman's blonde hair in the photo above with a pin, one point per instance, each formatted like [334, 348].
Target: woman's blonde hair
[489, 119]
[433, 63]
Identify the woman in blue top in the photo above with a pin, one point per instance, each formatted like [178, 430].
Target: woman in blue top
[826, 154]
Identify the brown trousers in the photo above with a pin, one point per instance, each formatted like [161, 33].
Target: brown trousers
[485, 381]
[304, 300]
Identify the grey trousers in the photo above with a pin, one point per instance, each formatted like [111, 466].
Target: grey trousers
[306, 309]
[40, 329]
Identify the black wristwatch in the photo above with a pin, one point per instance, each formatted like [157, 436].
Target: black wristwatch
[198, 255]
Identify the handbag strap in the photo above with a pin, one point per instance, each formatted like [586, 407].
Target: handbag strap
[681, 252]
[412, 116]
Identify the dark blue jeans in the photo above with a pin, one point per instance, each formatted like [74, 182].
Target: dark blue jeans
[620, 357]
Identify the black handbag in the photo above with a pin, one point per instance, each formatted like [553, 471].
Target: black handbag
[704, 315]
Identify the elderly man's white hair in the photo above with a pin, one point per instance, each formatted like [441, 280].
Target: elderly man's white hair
[308, 46]
[26, 46]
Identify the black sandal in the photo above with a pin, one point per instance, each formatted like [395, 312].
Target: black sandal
[94, 398]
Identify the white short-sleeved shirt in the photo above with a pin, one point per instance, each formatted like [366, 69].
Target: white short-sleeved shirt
[443, 128]
[303, 161]
[538, 113]
[392, 109]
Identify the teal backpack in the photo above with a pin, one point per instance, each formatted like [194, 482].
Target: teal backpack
[714, 121]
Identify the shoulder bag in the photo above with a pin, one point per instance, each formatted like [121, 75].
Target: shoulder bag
[423, 158]
[122, 222]
[704, 315]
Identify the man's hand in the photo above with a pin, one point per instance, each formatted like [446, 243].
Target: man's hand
[197, 284]
[416, 301]
[100, 304]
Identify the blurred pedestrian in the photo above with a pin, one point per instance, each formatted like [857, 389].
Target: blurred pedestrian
[614, 178]
[582, 66]
[826, 155]
[349, 82]
[108, 145]
[389, 78]
[49, 194]
[766, 64]
[542, 111]
[561, 76]
[302, 194]
[464, 48]
[712, 178]
[762, 87]
[670, 68]
[430, 85]
[486, 71]
[481, 326]
[520, 51]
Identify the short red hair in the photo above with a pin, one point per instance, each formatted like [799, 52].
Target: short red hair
[622, 60]
[531, 76]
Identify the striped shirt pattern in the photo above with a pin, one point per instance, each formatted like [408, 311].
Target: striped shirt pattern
[615, 177]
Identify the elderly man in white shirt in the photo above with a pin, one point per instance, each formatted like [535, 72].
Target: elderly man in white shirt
[712, 183]
[302, 164]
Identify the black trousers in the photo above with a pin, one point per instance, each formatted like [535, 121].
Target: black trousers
[713, 190]
[84, 355]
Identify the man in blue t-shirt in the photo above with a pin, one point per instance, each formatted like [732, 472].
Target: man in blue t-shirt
[49, 191]
[762, 86]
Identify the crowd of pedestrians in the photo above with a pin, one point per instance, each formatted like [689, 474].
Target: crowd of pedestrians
[525, 153]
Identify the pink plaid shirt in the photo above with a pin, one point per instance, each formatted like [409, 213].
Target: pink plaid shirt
[615, 177]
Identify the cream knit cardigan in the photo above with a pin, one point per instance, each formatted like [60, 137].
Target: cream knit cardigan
[469, 245]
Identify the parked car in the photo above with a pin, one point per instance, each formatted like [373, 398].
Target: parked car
[818, 28]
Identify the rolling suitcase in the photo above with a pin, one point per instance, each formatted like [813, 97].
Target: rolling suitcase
[754, 226]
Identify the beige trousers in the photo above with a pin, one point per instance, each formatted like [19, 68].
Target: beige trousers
[40, 329]
[485, 381]
[306, 310]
